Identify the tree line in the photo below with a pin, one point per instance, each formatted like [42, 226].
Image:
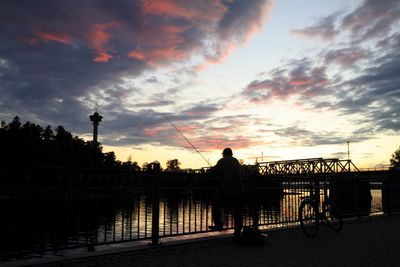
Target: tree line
[32, 144]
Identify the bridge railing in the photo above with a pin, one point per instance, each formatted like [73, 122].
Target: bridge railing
[50, 209]
[374, 169]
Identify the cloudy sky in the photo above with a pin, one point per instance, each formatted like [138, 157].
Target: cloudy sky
[271, 79]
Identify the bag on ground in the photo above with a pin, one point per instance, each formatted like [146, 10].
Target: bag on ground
[252, 237]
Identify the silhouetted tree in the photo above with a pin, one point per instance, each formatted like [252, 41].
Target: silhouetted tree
[30, 144]
[109, 159]
[146, 166]
[173, 165]
[152, 166]
[395, 160]
[130, 165]
[48, 133]
[15, 124]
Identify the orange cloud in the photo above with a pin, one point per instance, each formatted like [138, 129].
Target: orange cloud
[301, 82]
[159, 32]
[98, 39]
[103, 57]
[137, 54]
[158, 55]
[218, 142]
[45, 37]
[238, 33]
[154, 131]
[212, 18]
[192, 10]
[160, 44]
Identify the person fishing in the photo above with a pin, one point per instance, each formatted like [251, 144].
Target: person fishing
[230, 193]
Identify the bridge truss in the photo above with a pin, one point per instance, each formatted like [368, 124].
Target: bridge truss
[307, 166]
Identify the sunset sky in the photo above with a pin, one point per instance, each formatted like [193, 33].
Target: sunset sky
[271, 79]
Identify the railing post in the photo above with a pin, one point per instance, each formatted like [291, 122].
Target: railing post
[155, 229]
[386, 197]
[357, 197]
[254, 202]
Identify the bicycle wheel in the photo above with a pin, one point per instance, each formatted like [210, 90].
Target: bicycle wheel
[332, 215]
[308, 217]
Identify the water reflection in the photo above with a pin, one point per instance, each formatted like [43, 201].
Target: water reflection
[39, 224]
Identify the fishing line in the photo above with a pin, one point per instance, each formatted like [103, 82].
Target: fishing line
[176, 128]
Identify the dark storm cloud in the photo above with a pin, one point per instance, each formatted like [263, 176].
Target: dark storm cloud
[375, 93]
[59, 58]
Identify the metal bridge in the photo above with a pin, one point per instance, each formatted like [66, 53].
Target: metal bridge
[307, 166]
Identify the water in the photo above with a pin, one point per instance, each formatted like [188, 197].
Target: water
[47, 224]
[376, 201]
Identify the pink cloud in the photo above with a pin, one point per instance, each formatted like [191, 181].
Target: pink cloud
[102, 57]
[218, 142]
[155, 56]
[138, 55]
[168, 131]
[153, 132]
[236, 32]
[302, 81]
[214, 139]
[212, 21]
[61, 38]
[157, 32]
[160, 44]
[45, 37]
[192, 10]
[345, 56]
[98, 39]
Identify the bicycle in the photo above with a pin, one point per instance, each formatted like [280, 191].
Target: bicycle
[312, 213]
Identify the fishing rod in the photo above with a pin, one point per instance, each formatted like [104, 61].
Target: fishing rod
[190, 143]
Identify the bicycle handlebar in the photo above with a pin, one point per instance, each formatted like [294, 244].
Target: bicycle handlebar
[318, 186]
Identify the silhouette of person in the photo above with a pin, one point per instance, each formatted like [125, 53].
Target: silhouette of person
[230, 193]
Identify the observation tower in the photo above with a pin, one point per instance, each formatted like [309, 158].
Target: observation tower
[95, 119]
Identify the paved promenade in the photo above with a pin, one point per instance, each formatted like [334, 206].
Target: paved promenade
[365, 242]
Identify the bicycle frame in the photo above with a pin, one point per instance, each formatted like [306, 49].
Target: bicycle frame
[321, 212]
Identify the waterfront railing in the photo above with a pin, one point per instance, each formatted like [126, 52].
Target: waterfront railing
[52, 209]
